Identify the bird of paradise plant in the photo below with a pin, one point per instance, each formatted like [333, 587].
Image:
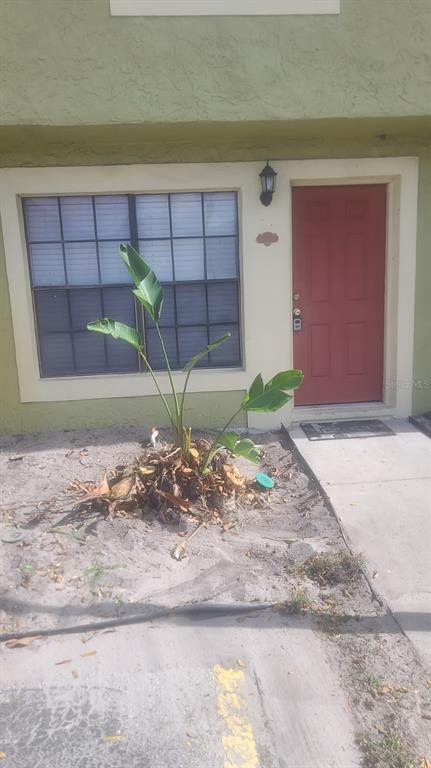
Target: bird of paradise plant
[260, 397]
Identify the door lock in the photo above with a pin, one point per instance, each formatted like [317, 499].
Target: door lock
[297, 319]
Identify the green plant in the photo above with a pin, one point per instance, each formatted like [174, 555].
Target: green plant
[387, 751]
[374, 683]
[260, 397]
[98, 570]
[299, 602]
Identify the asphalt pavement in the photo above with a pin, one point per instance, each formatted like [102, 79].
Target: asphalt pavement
[248, 690]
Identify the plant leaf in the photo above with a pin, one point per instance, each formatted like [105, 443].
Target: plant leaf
[270, 400]
[229, 440]
[273, 395]
[286, 380]
[209, 347]
[247, 448]
[117, 331]
[147, 287]
[150, 293]
[122, 489]
[137, 267]
[240, 447]
[256, 388]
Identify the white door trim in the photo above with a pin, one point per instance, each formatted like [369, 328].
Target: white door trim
[401, 175]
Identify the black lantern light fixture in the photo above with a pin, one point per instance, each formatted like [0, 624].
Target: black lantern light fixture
[267, 181]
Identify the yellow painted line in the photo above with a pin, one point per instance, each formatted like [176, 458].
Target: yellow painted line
[238, 737]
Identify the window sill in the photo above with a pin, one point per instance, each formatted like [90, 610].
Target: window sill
[96, 387]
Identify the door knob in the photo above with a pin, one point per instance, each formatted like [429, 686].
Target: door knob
[297, 312]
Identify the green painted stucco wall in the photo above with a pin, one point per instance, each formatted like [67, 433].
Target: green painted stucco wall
[79, 87]
[68, 62]
[209, 409]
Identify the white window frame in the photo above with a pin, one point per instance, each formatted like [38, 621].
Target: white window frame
[265, 274]
[223, 7]
[21, 182]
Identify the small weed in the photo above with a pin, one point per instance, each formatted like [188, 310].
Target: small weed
[119, 600]
[98, 570]
[389, 751]
[374, 683]
[333, 568]
[29, 568]
[379, 688]
[299, 602]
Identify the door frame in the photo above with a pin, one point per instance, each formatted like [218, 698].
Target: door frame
[400, 175]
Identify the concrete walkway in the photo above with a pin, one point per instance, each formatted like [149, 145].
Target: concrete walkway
[380, 489]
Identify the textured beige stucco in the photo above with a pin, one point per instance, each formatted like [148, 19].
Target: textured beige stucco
[68, 62]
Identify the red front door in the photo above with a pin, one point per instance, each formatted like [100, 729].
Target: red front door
[339, 236]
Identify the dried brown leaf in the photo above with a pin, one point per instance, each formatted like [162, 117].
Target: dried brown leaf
[182, 504]
[21, 642]
[94, 492]
[147, 471]
[179, 552]
[234, 477]
[55, 572]
[122, 489]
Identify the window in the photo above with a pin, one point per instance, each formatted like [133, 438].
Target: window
[222, 7]
[77, 275]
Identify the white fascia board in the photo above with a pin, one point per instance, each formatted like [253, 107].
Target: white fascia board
[223, 7]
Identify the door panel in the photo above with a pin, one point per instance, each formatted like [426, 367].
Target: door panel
[339, 243]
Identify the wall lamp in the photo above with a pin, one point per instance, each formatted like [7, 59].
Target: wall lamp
[267, 181]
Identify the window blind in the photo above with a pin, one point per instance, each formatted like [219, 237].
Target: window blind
[77, 275]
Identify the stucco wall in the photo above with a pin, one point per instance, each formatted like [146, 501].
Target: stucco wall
[422, 348]
[207, 409]
[68, 62]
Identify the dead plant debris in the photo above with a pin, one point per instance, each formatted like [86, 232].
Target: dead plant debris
[169, 483]
[21, 642]
[386, 751]
[299, 602]
[330, 569]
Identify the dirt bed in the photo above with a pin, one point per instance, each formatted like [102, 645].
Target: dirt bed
[58, 570]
